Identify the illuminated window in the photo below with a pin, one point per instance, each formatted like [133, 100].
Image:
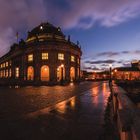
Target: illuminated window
[30, 57]
[44, 56]
[45, 74]
[30, 73]
[10, 73]
[3, 65]
[6, 75]
[6, 64]
[72, 58]
[72, 73]
[17, 72]
[60, 56]
[60, 73]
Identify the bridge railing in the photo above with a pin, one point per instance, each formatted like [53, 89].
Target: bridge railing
[125, 114]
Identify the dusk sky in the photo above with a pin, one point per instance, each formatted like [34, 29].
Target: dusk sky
[108, 30]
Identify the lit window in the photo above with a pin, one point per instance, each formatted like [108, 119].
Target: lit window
[6, 64]
[44, 56]
[6, 73]
[17, 72]
[3, 65]
[30, 57]
[60, 56]
[72, 58]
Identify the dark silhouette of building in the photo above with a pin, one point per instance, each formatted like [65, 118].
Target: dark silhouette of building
[46, 56]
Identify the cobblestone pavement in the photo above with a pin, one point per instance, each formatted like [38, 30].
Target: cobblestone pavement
[74, 112]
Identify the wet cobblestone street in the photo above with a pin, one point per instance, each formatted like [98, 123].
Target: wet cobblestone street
[73, 112]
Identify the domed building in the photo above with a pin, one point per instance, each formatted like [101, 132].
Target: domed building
[45, 57]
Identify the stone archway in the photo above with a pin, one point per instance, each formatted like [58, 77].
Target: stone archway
[60, 73]
[45, 76]
[72, 73]
[30, 73]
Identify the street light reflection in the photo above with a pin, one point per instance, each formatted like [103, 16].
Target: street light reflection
[95, 92]
[63, 106]
[71, 83]
[104, 88]
[73, 102]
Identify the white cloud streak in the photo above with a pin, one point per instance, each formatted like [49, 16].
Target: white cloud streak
[17, 15]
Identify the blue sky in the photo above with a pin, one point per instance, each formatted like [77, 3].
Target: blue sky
[108, 30]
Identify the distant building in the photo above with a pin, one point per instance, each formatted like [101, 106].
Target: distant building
[96, 75]
[45, 57]
[126, 73]
[135, 63]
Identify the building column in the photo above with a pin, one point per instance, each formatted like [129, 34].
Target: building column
[53, 74]
[67, 72]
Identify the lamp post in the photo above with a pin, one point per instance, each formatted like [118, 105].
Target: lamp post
[110, 75]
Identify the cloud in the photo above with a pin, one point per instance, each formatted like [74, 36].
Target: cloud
[114, 54]
[108, 54]
[120, 59]
[127, 64]
[92, 68]
[87, 13]
[101, 62]
[135, 52]
[5, 40]
[21, 15]
[125, 52]
[16, 15]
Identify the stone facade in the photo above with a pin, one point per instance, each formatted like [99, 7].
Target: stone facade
[45, 57]
[126, 73]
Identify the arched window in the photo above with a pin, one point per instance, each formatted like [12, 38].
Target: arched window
[60, 73]
[72, 73]
[45, 73]
[30, 73]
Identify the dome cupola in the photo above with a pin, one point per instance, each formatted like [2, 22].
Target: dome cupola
[45, 31]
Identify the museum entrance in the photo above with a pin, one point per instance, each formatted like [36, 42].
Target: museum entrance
[30, 73]
[72, 74]
[45, 73]
[61, 73]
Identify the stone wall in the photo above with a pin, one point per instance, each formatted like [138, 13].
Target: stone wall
[125, 114]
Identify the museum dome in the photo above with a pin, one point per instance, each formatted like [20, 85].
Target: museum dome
[44, 32]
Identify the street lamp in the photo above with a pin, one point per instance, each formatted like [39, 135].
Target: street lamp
[110, 74]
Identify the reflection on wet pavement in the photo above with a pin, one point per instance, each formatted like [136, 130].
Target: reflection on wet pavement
[79, 117]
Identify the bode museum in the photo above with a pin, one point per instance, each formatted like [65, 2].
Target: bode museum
[45, 57]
